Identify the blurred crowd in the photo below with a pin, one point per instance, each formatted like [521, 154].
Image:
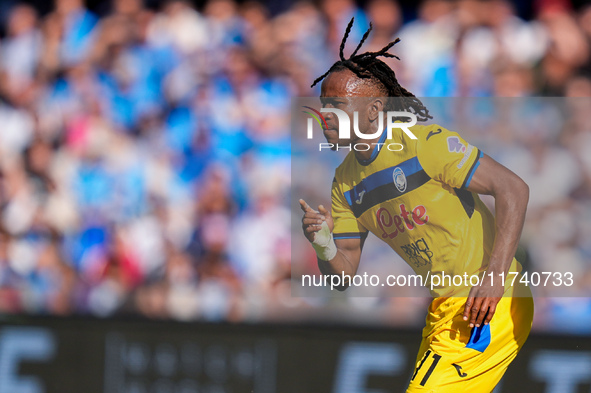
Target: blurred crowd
[145, 153]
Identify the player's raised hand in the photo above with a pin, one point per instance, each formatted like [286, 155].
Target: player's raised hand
[313, 220]
[327, 217]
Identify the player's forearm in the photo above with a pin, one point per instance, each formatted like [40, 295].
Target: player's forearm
[510, 206]
[340, 264]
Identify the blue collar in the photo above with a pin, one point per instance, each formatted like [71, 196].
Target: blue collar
[376, 151]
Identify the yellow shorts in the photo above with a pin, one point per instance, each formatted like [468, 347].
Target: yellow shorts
[456, 358]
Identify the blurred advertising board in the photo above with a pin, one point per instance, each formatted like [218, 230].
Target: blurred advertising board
[39, 355]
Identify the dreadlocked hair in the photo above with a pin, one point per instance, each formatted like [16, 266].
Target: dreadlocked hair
[367, 65]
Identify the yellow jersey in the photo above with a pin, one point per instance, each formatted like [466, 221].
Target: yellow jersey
[416, 201]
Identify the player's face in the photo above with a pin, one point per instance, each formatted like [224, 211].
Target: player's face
[345, 91]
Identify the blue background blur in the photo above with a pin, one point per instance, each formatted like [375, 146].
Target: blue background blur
[145, 149]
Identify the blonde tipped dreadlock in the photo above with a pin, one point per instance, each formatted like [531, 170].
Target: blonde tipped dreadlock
[367, 65]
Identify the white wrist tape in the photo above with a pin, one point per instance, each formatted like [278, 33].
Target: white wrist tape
[324, 244]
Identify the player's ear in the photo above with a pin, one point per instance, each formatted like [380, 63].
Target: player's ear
[376, 106]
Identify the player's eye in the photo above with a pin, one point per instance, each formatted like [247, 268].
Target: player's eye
[333, 102]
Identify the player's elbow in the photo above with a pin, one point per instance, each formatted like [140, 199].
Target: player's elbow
[342, 281]
[525, 192]
[335, 279]
[521, 190]
[512, 188]
[516, 194]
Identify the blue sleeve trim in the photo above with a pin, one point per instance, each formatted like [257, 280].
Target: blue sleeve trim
[473, 169]
[469, 179]
[350, 235]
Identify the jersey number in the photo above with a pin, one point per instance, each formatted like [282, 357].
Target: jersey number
[436, 358]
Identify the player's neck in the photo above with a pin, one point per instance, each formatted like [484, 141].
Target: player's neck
[361, 153]
[366, 148]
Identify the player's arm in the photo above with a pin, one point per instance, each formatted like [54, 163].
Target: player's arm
[340, 256]
[511, 195]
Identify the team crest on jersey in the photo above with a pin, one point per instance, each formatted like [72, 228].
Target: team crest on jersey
[454, 145]
[399, 179]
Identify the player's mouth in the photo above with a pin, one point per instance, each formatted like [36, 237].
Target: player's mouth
[331, 134]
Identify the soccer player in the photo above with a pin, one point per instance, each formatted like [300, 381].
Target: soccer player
[423, 201]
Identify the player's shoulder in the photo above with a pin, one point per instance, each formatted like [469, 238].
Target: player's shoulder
[431, 132]
[433, 137]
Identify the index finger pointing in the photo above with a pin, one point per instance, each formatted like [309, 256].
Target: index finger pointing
[304, 206]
